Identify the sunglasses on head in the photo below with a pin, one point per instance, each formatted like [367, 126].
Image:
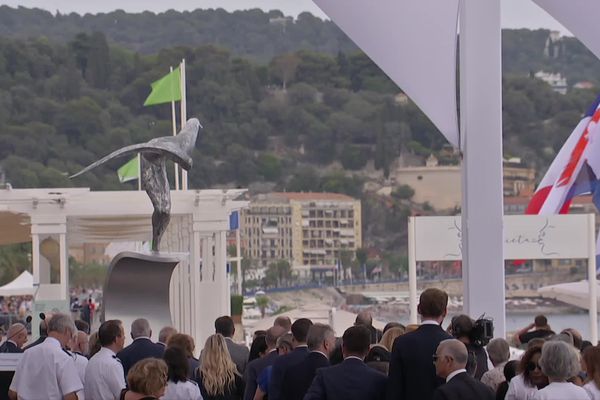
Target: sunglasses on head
[531, 366]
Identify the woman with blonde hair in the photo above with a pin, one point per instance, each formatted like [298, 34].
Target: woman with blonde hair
[218, 378]
[146, 380]
[380, 354]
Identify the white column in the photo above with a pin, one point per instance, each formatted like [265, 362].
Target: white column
[593, 284]
[481, 142]
[412, 272]
[221, 279]
[195, 264]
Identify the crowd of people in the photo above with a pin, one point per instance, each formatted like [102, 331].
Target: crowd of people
[302, 360]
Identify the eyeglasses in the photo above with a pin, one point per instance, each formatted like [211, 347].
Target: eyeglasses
[531, 366]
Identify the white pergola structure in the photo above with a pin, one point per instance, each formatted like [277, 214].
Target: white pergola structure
[52, 219]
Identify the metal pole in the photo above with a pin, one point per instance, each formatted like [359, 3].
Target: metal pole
[174, 123]
[184, 178]
[238, 253]
[592, 279]
[412, 272]
[481, 143]
[139, 165]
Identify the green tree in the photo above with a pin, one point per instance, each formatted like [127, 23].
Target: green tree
[269, 166]
[14, 259]
[403, 192]
[98, 61]
[283, 68]
[262, 302]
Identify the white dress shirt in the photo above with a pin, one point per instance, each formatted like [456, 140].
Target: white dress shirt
[104, 377]
[519, 390]
[561, 391]
[187, 390]
[80, 364]
[592, 390]
[46, 372]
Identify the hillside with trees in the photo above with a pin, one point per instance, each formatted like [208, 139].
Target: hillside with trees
[295, 115]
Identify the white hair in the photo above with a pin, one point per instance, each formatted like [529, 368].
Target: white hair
[498, 350]
[140, 327]
[559, 360]
[61, 323]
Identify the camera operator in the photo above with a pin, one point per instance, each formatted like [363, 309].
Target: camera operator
[462, 328]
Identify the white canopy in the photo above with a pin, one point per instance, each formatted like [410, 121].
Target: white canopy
[574, 293]
[21, 286]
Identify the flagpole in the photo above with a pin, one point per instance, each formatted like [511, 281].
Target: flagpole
[174, 123]
[238, 252]
[184, 178]
[139, 161]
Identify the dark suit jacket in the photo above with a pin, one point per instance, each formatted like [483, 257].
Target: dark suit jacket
[412, 373]
[350, 380]
[280, 367]
[10, 347]
[138, 350]
[463, 387]
[298, 379]
[253, 370]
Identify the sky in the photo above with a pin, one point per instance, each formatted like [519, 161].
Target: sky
[515, 13]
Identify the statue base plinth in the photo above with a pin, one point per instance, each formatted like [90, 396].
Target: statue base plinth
[137, 286]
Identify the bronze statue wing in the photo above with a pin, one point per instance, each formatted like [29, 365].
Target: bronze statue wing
[177, 148]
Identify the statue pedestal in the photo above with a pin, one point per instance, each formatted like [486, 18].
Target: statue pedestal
[137, 286]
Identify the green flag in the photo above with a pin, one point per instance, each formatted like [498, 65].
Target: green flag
[166, 89]
[129, 171]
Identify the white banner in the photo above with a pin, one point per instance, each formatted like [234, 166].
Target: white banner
[525, 237]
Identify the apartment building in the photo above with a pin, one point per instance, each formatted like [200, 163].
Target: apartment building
[310, 230]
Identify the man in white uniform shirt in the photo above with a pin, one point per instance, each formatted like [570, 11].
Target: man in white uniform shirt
[104, 378]
[46, 371]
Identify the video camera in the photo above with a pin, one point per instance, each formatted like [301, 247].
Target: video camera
[483, 331]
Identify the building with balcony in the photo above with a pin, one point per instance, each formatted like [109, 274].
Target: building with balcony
[310, 230]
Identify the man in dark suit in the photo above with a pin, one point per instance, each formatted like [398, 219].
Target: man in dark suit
[238, 352]
[255, 367]
[321, 342]
[352, 379]
[15, 339]
[142, 347]
[281, 366]
[412, 374]
[450, 362]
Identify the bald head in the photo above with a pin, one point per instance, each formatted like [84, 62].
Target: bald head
[83, 343]
[364, 318]
[283, 321]
[451, 355]
[17, 333]
[273, 333]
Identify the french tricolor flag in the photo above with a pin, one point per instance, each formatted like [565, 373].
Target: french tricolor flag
[574, 171]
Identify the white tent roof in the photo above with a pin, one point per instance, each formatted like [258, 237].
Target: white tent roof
[574, 293]
[21, 286]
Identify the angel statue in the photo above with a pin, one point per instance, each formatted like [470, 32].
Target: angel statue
[154, 154]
